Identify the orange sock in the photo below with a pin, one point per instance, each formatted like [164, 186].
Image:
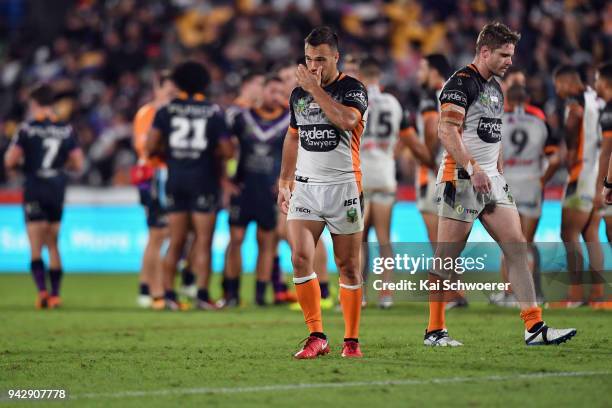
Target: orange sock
[309, 296]
[575, 292]
[350, 299]
[437, 311]
[531, 316]
[597, 291]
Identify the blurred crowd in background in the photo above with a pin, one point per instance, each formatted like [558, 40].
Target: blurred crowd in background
[101, 55]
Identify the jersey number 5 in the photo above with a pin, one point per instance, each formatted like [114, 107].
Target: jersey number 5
[183, 128]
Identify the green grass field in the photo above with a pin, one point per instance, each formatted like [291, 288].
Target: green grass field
[106, 352]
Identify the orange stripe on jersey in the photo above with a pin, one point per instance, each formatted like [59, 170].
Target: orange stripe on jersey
[423, 175]
[450, 165]
[429, 113]
[577, 168]
[551, 149]
[535, 111]
[142, 124]
[607, 133]
[406, 132]
[355, 149]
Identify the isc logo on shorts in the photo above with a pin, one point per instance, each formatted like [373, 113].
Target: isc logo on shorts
[350, 201]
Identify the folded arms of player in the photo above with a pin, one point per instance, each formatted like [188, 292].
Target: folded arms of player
[449, 133]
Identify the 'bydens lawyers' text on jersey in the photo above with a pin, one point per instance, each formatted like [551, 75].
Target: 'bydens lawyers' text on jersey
[191, 129]
[483, 102]
[326, 154]
[46, 146]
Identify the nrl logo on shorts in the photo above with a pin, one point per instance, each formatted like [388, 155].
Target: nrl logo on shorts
[351, 215]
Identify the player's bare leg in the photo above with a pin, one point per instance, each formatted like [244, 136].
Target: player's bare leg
[265, 259]
[347, 250]
[36, 235]
[365, 254]
[55, 264]
[320, 268]
[431, 224]
[381, 220]
[281, 292]
[303, 236]
[151, 271]
[452, 236]
[203, 226]
[608, 220]
[529, 226]
[591, 237]
[178, 227]
[233, 268]
[573, 222]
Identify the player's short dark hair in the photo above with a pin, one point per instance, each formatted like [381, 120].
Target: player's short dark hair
[370, 67]
[191, 77]
[322, 35]
[513, 70]
[43, 95]
[566, 69]
[605, 71]
[496, 35]
[440, 64]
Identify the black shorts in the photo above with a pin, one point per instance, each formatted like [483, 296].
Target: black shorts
[259, 206]
[43, 200]
[155, 212]
[185, 195]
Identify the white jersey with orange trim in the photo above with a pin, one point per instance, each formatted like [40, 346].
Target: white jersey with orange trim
[586, 167]
[526, 141]
[386, 121]
[327, 154]
[483, 102]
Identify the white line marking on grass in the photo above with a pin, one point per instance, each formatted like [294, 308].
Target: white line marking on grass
[302, 386]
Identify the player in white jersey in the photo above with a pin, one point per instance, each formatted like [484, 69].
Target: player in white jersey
[578, 217]
[386, 126]
[531, 158]
[320, 185]
[472, 187]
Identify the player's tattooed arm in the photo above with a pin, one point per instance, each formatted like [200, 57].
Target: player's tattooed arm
[500, 160]
[430, 126]
[604, 158]
[287, 173]
[343, 117]
[449, 132]
[409, 138]
[153, 143]
[572, 127]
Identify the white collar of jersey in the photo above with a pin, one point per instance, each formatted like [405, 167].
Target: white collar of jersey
[262, 135]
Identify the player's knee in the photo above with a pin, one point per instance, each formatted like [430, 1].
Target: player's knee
[348, 268]
[300, 259]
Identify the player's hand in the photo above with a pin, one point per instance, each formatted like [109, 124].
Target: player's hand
[230, 188]
[284, 195]
[480, 181]
[306, 79]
